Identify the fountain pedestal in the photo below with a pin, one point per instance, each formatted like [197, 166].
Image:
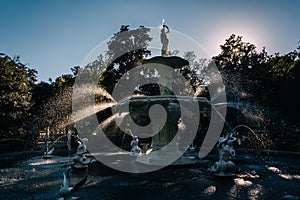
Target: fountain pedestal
[160, 141]
[164, 135]
[170, 129]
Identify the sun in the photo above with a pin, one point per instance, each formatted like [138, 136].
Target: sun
[235, 50]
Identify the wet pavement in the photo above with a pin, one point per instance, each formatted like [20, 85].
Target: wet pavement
[267, 177]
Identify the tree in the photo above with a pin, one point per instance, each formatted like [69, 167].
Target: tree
[53, 103]
[16, 86]
[195, 72]
[241, 66]
[282, 81]
[126, 50]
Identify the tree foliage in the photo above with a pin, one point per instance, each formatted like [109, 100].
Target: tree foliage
[282, 81]
[241, 66]
[270, 81]
[53, 103]
[17, 82]
[126, 50]
[239, 57]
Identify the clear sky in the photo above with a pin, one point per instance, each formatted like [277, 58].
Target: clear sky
[52, 36]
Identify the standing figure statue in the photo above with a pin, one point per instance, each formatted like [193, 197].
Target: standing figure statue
[164, 39]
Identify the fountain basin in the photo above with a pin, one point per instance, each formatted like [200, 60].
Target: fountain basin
[138, 108]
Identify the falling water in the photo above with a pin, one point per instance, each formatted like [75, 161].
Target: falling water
[83, 90]
[253, 133]
[55, 141]
[238, 105]
[59, 138]
[91, 110]
[248, 109]
[252, 112]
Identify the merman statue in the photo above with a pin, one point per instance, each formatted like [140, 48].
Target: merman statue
[80, 159]
[225, 167]
[135, 149]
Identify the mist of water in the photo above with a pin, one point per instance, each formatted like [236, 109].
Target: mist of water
[91, 110]
[255, 116]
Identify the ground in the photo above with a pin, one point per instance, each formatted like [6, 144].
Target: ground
[258, 177]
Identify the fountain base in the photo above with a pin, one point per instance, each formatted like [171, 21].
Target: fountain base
[79, 166]
[47, 156]
[224, 169]
[153, 159]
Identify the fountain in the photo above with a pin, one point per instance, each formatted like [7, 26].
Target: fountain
[139, 109]
[156, 120]
[144, 147]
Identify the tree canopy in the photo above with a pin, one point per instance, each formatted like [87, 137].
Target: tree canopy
[16, 86]
[126, 49]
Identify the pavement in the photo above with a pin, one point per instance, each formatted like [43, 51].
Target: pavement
[266, 176]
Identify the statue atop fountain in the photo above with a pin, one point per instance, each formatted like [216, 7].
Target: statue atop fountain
[164, 39]
[225, 167]
[166, 59]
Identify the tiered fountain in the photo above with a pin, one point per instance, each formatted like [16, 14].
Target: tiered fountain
[156, 122]
[139, 108]
[166, 138]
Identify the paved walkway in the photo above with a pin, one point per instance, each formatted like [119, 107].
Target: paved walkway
[259, 177]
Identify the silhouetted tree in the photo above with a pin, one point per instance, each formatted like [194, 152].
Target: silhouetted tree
[16, 86]
[195, 72]
[241, 66]
[126, 50]
[53, 103]
[282, 81]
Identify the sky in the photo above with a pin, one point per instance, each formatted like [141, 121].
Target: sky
[52, 36]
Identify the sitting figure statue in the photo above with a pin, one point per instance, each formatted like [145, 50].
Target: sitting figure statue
[135, 149]
[225, 167]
